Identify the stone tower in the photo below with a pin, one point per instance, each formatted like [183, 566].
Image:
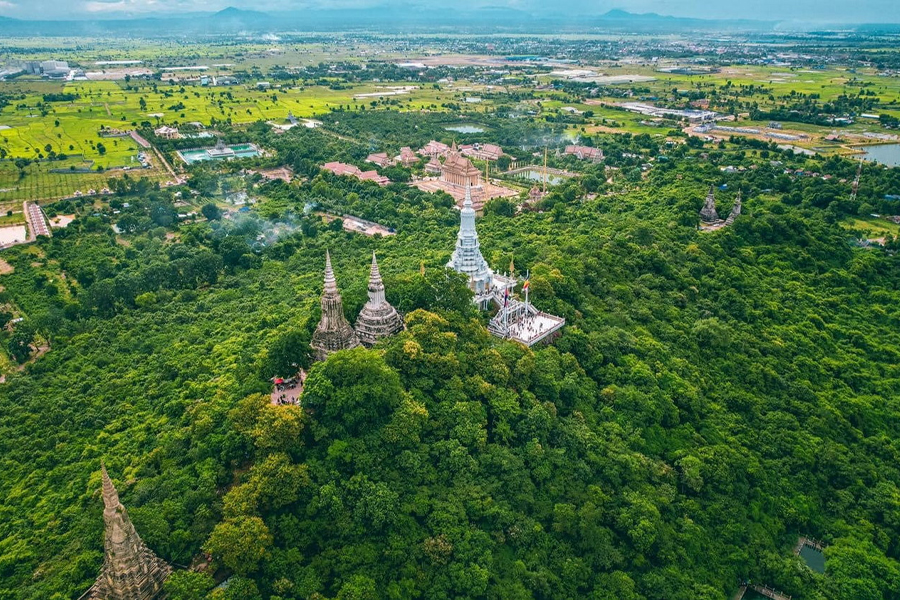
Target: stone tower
[467, 258]
[333, 332]
[131, 571]
[378, 318]
[708, 212]
[735, 210]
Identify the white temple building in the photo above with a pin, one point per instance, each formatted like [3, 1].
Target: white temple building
[467, 258]
[515, 319]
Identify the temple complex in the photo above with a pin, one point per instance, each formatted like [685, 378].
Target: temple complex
[378, 319]
[339, 168]
[708, 213]
[333, 332]
[131, 571]
[460, 178]
[515, 320]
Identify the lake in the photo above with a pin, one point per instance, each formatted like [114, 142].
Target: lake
[885, 154]
[465, 129]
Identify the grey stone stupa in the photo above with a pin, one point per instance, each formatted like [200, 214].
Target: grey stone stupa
[378, 318]
[131, 571]
[708, 213]
[735, 210]
[333, 332]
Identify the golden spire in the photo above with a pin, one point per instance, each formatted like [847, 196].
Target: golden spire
[544, 191]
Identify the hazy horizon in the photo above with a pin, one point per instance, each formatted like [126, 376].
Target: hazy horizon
[811, 11]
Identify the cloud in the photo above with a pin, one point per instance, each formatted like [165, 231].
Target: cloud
[5, 4]
[95, 7]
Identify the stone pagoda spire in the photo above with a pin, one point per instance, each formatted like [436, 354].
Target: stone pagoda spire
[708, 212]
[378, 318]
[467, 258]
[333, 332]
[735, 210]
[131, 571]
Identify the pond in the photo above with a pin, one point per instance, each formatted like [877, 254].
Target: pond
[885, 154]
[537, 174]
[815, 559]
[465, 128]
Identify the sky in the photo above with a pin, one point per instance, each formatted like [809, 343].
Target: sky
[825, 11]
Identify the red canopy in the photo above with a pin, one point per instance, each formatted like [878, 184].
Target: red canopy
[279, 380]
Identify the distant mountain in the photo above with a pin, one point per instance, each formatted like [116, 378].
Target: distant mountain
[647, 22]
[389, 18]
[237, 13]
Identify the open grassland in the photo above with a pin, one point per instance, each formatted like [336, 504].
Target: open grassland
[39, 183]
[873, 226]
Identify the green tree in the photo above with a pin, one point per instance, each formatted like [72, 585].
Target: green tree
[241, 543]
[188, 585]
[211, 211]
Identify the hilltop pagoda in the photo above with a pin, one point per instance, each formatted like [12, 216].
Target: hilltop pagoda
[333, 332]
[467, 258]
[514, 320]
[131, 571]
[708, 213]
[378, 319]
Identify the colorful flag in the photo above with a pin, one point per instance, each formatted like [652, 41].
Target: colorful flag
[526, 284]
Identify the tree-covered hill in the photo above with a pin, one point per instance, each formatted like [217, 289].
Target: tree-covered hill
[712, 396]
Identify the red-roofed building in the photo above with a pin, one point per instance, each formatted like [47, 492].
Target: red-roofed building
[406, 157]
[381, 159]
[339, 168]
[434, 148]
[482, 151]
[374, 176]
[585, 153]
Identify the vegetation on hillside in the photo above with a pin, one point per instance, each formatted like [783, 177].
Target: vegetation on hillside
[712, 396]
